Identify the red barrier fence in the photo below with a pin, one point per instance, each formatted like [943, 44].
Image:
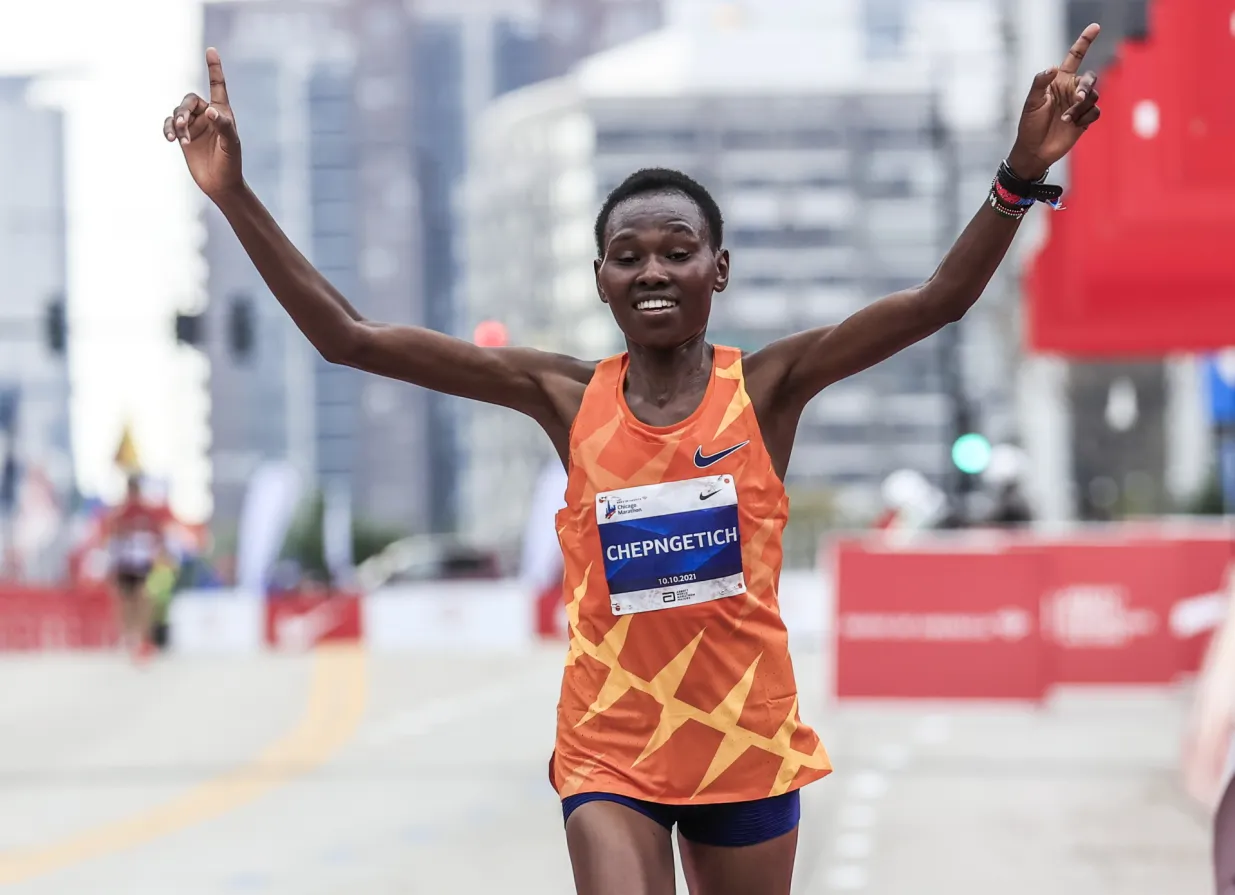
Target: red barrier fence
[1010, 616]
[300, 621]
[946, 625]
[53, 619]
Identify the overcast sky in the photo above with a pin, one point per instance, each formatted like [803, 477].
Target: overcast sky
[117, 69]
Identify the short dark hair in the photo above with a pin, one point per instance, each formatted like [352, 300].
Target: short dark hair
[662, 180]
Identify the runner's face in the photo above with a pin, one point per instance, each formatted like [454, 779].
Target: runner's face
[659, 271]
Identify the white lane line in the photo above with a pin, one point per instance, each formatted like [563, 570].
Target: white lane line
[857, 817]
[933, 730]
[893, 756]
[868, 785]
[854, 846]
[847, 877]
[442, 711]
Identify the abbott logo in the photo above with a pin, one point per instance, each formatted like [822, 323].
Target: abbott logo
[1011, 624]
[1096, 616]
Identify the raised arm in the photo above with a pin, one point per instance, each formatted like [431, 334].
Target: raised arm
[1060, 107]
[520, 378]
[539, 384]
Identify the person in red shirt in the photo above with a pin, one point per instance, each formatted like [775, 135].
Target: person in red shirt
[135, 532]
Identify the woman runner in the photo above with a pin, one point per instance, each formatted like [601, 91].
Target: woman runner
[678, 704]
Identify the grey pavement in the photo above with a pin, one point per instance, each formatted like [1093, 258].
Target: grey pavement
[115, 779]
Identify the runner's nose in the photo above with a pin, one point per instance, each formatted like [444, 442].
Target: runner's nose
[653, 275]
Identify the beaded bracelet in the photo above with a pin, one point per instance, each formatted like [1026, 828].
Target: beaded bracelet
[1014, 210]
[1012, 196]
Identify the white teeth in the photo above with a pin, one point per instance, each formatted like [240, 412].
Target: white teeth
[653, 304]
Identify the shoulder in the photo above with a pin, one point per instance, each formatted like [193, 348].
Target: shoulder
[562, 380]
[580, 372]
[767, 368]
[547, 365]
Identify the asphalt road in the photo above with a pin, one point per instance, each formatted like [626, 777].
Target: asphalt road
[339, 772]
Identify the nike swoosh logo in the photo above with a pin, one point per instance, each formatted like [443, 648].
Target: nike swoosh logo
[706, 494]
[704, 462]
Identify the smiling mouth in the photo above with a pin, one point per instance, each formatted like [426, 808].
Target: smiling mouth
[656, 304]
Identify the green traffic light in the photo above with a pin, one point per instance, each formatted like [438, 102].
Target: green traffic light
[971, 453]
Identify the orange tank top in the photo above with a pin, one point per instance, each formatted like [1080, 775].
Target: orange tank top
[678, 685]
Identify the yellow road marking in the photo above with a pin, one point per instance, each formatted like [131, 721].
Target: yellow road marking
[335, 708]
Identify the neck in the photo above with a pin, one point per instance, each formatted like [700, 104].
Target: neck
[657, 375]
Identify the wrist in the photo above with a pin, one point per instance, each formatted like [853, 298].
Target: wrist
[1026, 166]
[231, 196]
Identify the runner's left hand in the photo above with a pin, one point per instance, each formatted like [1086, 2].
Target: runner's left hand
[1061, 106]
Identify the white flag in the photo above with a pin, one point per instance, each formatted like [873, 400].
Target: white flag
[337, 532]
[264, 521]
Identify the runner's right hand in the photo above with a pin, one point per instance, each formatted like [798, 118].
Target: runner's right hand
[207, 135]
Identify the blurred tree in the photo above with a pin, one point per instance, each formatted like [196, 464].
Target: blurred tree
[1208, 500]
[304, 542]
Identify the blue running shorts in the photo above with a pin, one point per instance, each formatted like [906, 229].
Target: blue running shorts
[728, 824]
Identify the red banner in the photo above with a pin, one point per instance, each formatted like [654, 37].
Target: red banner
[1106, 610]
[1200, 598]
[938, 625]
[1129, 604]
[1139, 262]
[299, 622]
[52, 619]
[551, 613]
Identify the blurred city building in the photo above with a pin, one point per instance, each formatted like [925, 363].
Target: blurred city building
[848, 143]
[356, 135]
[831, 135]
[321, 94]
[465, 55]
[36, 472]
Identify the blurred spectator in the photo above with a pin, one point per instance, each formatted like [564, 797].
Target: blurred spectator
[136, 532]
[1011, 506]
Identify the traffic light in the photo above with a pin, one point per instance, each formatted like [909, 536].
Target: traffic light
[240, 328]
[491, 334]
[9, 480]
[190, 329]
[971, 453]
[9, 400]
[56, 326]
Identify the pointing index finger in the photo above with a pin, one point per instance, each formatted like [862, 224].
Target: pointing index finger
[1076, 55]
[218, 84]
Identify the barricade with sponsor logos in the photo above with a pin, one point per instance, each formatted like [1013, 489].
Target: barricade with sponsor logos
[1131, 604]
[451, 615]
[1204, 555]
[962, 615]
[960, 623]
[217, 621]
[477, 615]
[300, 621]
[35, 618]
[1105, 606]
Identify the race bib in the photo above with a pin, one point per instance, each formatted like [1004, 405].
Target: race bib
[671, 544]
